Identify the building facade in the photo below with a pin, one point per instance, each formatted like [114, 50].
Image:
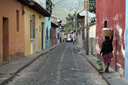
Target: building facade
[111, 14]
[48, 7]
[11, 31]
[34, 15]
[34, 26]
[53, 33]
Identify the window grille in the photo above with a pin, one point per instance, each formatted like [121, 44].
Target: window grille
[32, 26]
[17, 20]
[47, 33]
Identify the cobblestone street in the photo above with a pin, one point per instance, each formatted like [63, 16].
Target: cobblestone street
[61, 66]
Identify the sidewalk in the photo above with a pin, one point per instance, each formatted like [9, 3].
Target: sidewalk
[8, 71]
[113, 78]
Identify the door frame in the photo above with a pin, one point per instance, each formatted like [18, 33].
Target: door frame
[5, 39]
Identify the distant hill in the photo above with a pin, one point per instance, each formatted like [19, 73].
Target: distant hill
[64, 7]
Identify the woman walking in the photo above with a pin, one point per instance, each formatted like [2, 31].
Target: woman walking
[107, 52]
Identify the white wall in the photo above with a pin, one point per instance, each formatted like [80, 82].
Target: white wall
[92, 31]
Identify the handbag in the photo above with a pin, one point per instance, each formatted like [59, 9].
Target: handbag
[99, 64]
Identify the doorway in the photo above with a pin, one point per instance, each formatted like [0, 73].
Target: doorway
[5, 40]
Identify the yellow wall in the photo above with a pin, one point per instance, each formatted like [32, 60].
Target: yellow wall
[28, 13]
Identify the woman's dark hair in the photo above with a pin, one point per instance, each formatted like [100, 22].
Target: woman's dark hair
[107, 37]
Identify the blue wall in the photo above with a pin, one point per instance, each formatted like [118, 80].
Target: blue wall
[126, 41]
[47, 24]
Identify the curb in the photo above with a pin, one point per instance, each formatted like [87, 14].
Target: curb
[9, 79]
[95, 68]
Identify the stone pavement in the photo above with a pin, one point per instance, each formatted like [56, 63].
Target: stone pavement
[113, 78]
[8, 71]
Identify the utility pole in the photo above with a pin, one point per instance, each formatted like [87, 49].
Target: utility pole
[76, 30]
[74, 24]
[87, 30]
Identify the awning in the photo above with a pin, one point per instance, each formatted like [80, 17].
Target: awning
[79, 16]
[54, 25]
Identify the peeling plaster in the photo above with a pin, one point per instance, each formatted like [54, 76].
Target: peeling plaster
[116, 17]
[117, 52]
[120, 32]
[97, 47]
[119, 29]
[123, 51]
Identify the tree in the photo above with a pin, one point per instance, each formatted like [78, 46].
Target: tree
[69, 26]
[92, 6]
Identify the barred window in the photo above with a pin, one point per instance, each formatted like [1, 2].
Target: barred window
[32, 27]
[47, 33]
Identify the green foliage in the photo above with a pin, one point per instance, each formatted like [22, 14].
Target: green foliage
[69, 26]
[60, 13]
[92, 6]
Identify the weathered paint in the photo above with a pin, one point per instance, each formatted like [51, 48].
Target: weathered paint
[28, 14]
[126, 41]
[15, 40]
[114, 12]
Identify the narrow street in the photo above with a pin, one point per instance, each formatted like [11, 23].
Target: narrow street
[61, 66]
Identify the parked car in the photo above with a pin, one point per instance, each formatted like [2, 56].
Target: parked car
[69, 39]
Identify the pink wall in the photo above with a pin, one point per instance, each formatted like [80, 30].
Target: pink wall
[114, 11]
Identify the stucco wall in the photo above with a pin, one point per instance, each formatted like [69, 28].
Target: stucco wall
[92, 35]
[114, 12]
[53, 36]
[15, 38]
[28, 14]
[47, 24]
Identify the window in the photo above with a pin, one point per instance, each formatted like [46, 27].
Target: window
[105, 24]
[57, 35]
[47, 33]
[17, 20]
[32, 27]
[39, 16]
